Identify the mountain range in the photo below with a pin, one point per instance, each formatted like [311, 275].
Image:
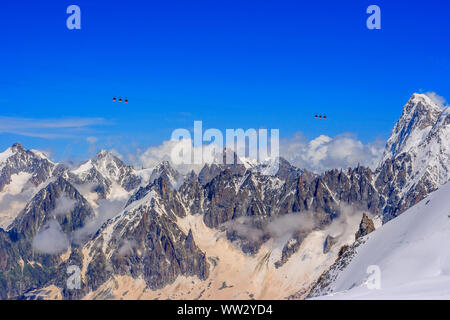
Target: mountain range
[239, 231]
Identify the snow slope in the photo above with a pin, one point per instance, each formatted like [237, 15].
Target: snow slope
[14, 197]
[411, 252]
[4, 156]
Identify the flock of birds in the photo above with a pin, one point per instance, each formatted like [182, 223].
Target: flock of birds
[320, 116]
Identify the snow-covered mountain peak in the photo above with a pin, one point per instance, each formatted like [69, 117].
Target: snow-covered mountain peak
[18, 158]
[109, 165]
[168, 173]
[419, 116]
[416, 160]
[106, 164]
[277, 166]
[103, 153]
[17, 147]
[164, 167]
[22, 172]
[424, 99]
[106, 157]
[108, 173]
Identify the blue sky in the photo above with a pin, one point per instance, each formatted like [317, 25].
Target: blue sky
[231, 64]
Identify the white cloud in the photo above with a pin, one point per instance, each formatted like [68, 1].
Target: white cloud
[64, 205]
[116, 153]
[163, 152]
[51, 239]
[127, 247]
[324, 152]
[285, 226]
[439, 100]
[155, 154]
[106, 209]
[320, 154]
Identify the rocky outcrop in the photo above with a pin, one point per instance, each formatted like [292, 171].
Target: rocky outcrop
[290, 248]
[365, 227]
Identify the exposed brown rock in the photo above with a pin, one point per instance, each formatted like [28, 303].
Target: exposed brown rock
[365, 227]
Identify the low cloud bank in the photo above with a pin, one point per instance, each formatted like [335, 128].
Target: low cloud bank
[285, 226]
[64, 205]
[51, 239]
[127, 247]
[106, 210]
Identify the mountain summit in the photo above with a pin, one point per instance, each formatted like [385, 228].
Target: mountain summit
[418, 118]
[416, 160]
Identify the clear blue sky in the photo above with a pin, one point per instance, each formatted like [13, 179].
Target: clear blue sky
[232, 64]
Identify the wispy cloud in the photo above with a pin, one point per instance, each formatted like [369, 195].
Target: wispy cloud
[439, 100]
[49, 128]
[92, 140]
